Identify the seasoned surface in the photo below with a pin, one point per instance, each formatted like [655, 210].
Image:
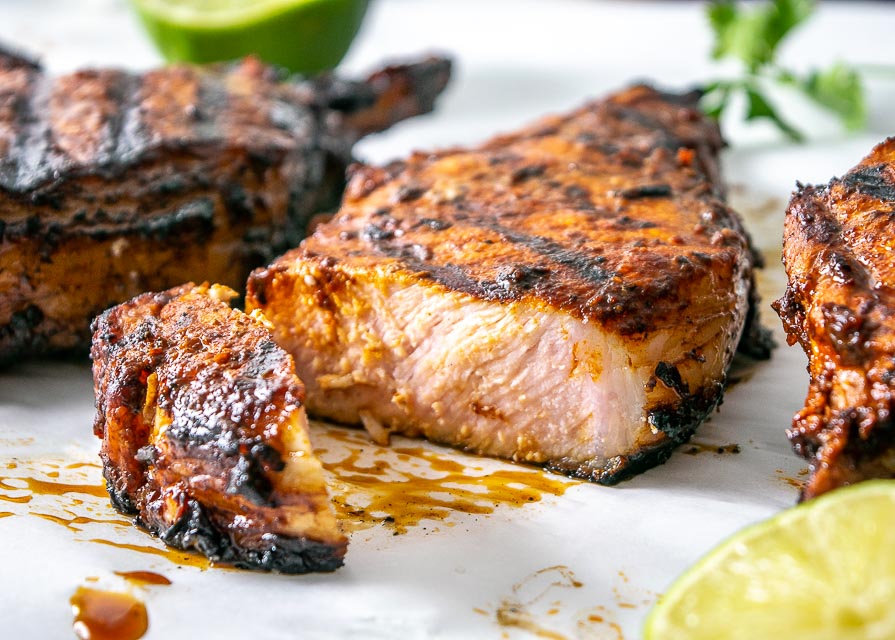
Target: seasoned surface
[204, 436]
[114, 183]
[568, 295]
[840, 306]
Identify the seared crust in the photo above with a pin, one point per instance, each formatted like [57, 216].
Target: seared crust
[612, 215]
[203, 431]
[113, 183]
[840, 306]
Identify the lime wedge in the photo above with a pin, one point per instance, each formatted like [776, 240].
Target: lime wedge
[305, 36]
[822, 570]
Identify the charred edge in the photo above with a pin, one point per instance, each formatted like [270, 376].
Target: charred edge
[121, 500]
[677, 422]
[871, 181]
[671, 378]
[21, 335]
[619, 468]
[680, 420]
[198, 531]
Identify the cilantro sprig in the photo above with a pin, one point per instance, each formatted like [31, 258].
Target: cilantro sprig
[752, 36]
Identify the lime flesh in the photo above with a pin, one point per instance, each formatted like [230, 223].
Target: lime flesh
[822, 570]
[305, 36]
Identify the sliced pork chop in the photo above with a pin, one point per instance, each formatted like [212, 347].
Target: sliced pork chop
[570, 295]
[840, 306]
[205, 436]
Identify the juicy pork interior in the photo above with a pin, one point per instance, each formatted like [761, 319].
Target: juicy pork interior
[839, 253]
[115, 183]
[570, 295]
[204, 433]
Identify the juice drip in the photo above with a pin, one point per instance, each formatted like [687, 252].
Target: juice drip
[107, 615]
[402, 486]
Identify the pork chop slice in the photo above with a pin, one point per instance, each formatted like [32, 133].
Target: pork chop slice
[570, 295]
[205, 436]
[839, 305]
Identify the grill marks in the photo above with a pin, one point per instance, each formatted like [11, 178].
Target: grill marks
[598, 203]
[82, 109]
[113, 183]
[98, 122]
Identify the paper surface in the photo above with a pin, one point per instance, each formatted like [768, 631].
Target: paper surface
[588, 563]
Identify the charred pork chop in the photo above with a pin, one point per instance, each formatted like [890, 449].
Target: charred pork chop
[570, 295]
[840, 306]
[205, 436]
[115, 183]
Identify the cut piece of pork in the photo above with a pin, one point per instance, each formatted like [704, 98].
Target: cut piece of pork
[569, 295]
[205, 436]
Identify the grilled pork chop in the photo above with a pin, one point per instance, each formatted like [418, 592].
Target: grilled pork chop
[205, 436]
[570, 295]
[114, 183]
[840, 306]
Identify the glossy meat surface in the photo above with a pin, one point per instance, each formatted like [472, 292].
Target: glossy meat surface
[114, 183]
[204, 433]
[569, 295]
[840, 307]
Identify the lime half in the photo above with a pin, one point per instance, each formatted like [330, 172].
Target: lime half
[822, 570]
[305, 36]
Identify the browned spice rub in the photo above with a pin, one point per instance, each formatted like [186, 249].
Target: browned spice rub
[115, 183]
[204, 433]
[839, 253]
[568, 295]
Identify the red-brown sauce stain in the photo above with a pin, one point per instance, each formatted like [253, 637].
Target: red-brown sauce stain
[77, 504]
[519, 609]
[107, 615]
[792, 482]
[141, 578]
[174, 555]
[20, 488]
[417, 484]
[75, 523]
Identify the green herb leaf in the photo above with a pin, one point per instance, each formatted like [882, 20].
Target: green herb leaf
[753, 35]
[714, 100]
[839, 88]
[758, 107]
[722, 15]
